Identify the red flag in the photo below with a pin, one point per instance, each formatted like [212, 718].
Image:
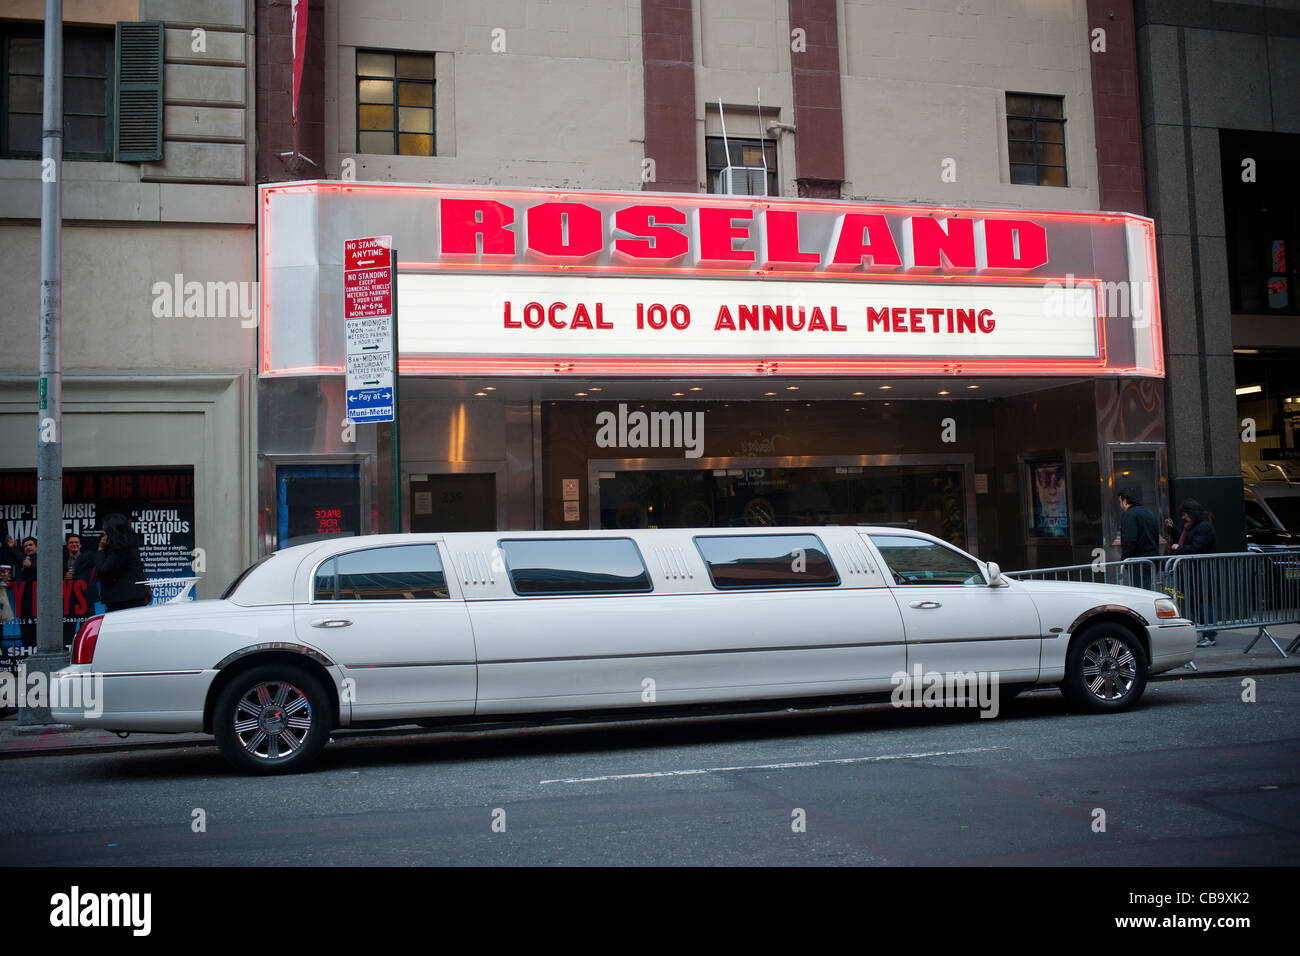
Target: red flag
[298, 19]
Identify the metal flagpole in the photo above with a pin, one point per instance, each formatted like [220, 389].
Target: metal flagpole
[50, 653]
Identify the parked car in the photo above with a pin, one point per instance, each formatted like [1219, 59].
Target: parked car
[435, 628]
[1272, 515]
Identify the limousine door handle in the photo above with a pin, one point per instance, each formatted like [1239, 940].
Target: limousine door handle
[331, 622]
[926, 605]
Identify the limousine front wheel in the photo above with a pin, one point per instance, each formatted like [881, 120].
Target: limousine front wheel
[272, 719]
[1105, 669]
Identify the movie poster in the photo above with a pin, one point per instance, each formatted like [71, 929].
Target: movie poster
[160, 505]
[1049, 505]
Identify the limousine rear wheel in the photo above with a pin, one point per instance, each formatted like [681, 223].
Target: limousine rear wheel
[272, 719]
[1105, 669]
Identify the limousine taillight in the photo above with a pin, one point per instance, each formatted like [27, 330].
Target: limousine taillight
[83, 647]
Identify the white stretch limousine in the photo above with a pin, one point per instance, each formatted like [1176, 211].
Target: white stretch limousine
[435, 628]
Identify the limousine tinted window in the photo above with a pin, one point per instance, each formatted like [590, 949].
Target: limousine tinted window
[767, 561]
[917, 561]
[582, 566]
[382, 574]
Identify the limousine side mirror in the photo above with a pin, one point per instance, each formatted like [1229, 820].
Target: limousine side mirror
[995, 574]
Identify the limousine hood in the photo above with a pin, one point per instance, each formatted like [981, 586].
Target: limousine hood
[1084, 587]
[1096, 594]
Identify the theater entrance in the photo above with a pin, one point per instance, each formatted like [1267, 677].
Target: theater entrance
[930, 493]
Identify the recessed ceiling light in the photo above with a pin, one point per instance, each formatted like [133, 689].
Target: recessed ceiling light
[884, 388]
[889, 403]
[593, 389]
[697, 388]
[580, 394]
[859, 393]
[792, 388]
[769, 393]
[972, 386]
[489, 388]
[678, 394]
[480, 394]
[943, 392]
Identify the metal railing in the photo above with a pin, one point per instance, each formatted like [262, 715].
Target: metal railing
[1215, 591]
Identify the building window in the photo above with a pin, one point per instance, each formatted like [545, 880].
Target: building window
[1261, 205]
[87, 92]
[395, 103]
[746, 175]
[1036, 139]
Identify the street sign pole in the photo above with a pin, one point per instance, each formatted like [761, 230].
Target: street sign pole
[370, 321]
[396, 438]
[50, 654]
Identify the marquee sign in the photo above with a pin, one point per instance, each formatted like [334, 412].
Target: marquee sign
[539, 282]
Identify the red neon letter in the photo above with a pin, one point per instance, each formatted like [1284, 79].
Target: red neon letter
[657, 241]
[1014, 244]
[782, 241]
[927, 239]
[878, 245]
[717, 235]
[546, 231]
[465, 221]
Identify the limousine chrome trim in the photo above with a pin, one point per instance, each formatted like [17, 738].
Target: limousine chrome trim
[142, 673]
[977, 640]
[302, 649]
[361, 667]
[709, 650]
[476, 567]
[1106, 609]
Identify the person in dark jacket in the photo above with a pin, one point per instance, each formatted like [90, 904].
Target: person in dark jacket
[118, 566]
[1139, 534]
[1197, 537]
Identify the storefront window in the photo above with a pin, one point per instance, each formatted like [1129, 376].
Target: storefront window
[317, 501]
[929, 498]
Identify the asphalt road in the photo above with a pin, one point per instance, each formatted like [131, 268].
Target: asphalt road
[1195, 776]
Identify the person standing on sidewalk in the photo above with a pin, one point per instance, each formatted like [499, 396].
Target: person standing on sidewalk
[1197, 537]
[1139, 533]
[119, 568]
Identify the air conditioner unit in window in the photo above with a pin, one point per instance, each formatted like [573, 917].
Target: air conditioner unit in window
[744, 181]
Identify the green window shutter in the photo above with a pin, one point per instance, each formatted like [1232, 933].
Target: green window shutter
[138, 93]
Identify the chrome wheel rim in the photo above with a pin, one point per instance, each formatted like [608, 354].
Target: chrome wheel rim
[272, 719]
[1109, 669]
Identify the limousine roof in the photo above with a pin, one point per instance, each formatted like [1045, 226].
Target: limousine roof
[284, 576]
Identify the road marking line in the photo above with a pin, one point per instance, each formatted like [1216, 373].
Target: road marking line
[770, 766]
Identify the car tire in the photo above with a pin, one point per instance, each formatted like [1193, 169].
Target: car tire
[1105, 670]
[272, 719]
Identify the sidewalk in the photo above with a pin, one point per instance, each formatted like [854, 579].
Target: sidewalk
[1225, 659]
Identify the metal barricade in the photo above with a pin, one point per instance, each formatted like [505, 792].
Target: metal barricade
[1215, 591]
[1250, 589]
[1142, 573]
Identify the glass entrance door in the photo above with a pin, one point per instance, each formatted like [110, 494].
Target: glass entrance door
[457, 502]
[889, 491]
